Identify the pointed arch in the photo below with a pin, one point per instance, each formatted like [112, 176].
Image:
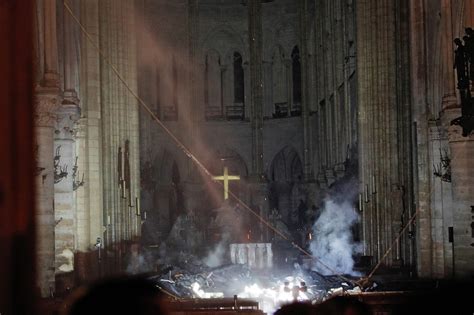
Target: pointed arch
[296, 81]
[213, 99]
[168, 200]
[238, 78]
[279, 83]
[285, 175]
[286, 165]
[221, 38]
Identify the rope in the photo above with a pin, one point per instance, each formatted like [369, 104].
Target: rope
[187, 151]
[189, 154]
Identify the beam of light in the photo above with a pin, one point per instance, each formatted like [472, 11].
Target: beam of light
[184, 148]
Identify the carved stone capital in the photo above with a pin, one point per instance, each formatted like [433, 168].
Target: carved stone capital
[66, 123]
[46, 104]
[70, 98]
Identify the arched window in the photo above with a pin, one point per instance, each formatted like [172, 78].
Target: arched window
[213, 85]
[296, 76]
[280, 86]
[238, 79]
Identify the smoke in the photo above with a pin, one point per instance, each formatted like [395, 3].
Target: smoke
[215, 257]
[230, 224]
[333, 243]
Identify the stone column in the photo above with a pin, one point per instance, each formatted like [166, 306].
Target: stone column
[161, 202]
[64, 203]
[68, 114]
[71, 69]
[305, 79]
[50, 42]
[46, 103]
[268, 92]
[256, 84]
[88, 139]
[119, 119]
[257, 180]
[289, 84]
[193, 26]
[449, 96]
[462, 174]
[259, 198]
[247, 91]
[384, 156]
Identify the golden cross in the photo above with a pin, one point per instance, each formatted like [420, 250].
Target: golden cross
[226, 178]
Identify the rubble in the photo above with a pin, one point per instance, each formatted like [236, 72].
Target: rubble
[272, 287]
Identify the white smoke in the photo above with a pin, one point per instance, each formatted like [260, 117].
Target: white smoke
[215, 257]
[332, 243]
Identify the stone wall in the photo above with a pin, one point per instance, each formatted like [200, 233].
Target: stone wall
[83, 115]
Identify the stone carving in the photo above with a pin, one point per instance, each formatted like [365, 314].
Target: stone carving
[45, 106]
[66, 121]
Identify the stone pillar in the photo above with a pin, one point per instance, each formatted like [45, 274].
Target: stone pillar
[64, 203]
[50, 42]
[289, 84]
[193, 27]
[256, 85]
[119, 119]
[247, 91]
[46, 102]
[268, 106]
[462, 174]
[162, 211]
[88, 140]
[384, 156]
[420, 115]
[305, 79]
[441, 205]
[449, 95]
[259, 199]
[71, 59]
[68, 114]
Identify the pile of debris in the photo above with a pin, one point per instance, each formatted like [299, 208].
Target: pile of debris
[271, 288]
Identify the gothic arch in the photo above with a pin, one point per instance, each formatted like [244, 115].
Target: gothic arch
[228, 37]
[296, 77]
[286, 165]
[213, 84]
[282, 34]
[230, 157]
[165, 161]
[168, 200]
[279, 82]
[285, 179]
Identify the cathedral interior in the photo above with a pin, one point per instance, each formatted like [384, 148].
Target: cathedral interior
[325, 145]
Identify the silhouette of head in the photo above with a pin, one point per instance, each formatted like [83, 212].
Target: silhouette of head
[345, 305]
[127, 295]
[296, 308]
[469, 31]
[458, 42]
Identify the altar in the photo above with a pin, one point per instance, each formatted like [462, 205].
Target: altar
[255, 255]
